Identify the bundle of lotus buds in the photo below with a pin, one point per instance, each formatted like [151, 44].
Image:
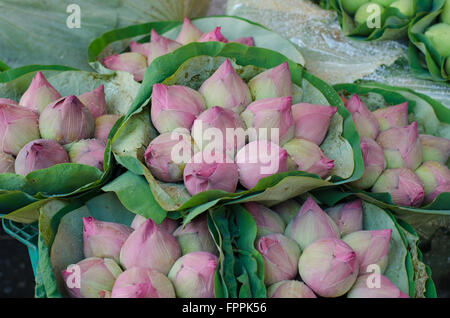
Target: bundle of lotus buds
[230, 132]
[141, 55]
[145, 260]
[44, 129]
[412, 167]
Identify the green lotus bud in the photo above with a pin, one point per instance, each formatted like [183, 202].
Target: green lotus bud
[435, 178]
[6, 163]
[351, 6]
[445, 15]
[366, 12]
[439, 36]
[435, 148]
[195, 237]
[287, 209]
[290, 289]
[406, 7]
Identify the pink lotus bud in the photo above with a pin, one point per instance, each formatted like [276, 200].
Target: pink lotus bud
[95, 101]
[189, 33]
[39, 94]
[195, 237]
[96, 277]
[246, 41]
[139, 282]
[365, 122]
[151, 247]
[175, 107]
[219, 120]
[272, 114]
[260, 159]
[18, 126]
[308, 157]
[267, 221]
[435, 148]
[206, 171]
[103, 239]
[374, 163]
[290, 289]
[273, 83]
[167, 224]
[87, 152]
[167, 155]
[159, 46]
[214, 35]
[226, 89]
[403, 185]
[66, 120]
[103, 125]
[192, 275]
[311, 224]
[347, 216]
[312, 121]
[130, 62]
[375, 286]
[39, 154]
[394, 116]
[402, 148]
[280, 255]
[8, 101]
[329, 267]
[287, 209]
[6, 163]
[141, 48]
[371, 248]
[435, 178]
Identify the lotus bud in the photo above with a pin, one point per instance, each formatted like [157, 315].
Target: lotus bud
[290, 289]
[371, 248]
[175, 107]
[207, 171]
[195, 237]
[217, 120]
[214, 35]
[39, 154]
[366, 286]
[39, 94]
[367, 12]
[280, 255]
[96, 277]
[8, 101]
[435, 178]
[435, 148]
[347, 216]
[151, 247]
[226, 89]
[260, 159]
[365, 122]
[103, 125]
[66, 120]
[351, 6]
[374, 163]
[130, 62]
[437, 34]
[394, 116]
[401, 146]
[406, 7]
[249, 41]
[272, 114]
[273, 83]
[311, 224]
[308, 157]
[18, 126]
[267, 221]
[312, 121]
[141, 48]
[403, 185]
[6, 163]
[139, 282]
[329, 267]
[159, 46]
[189, 33]
[95, 101]
[287, 209]
[167, 224]
[103, 239]
[193, 275]
[167, 155]
[87, 152]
